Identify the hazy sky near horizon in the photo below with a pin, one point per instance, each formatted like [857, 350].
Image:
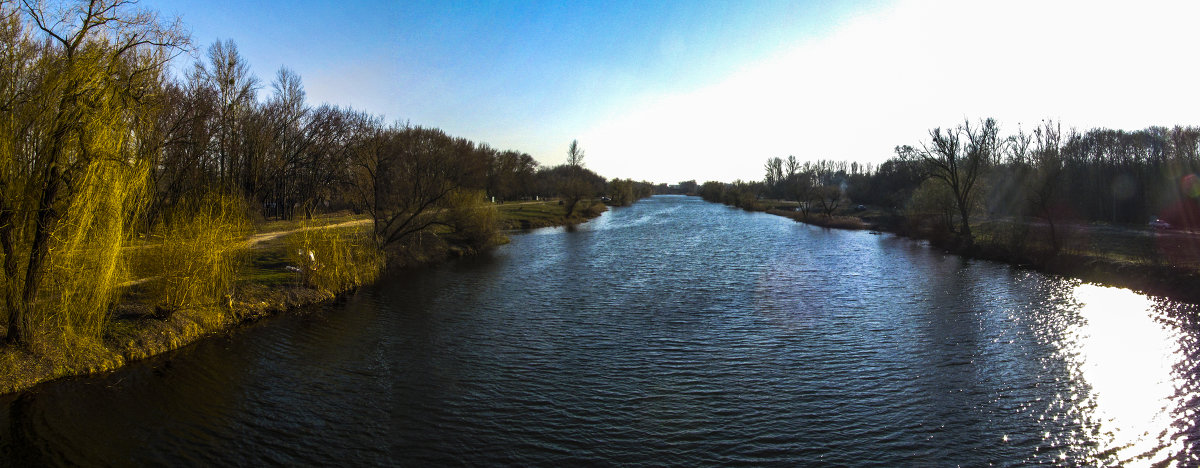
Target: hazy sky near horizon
[708, 90]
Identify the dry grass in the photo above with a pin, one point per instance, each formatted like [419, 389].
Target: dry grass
[839, 222]
[1134, 245]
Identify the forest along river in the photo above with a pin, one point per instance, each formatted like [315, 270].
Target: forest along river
[674, 331]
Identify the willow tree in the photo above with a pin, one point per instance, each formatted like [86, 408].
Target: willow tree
[79, 108]
[621, 192]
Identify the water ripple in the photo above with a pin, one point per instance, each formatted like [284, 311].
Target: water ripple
[673, 332]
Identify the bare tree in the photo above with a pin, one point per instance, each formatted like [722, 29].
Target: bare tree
[792, 167]
[574, 188]
[285, 121]
[774, 172]
[229, 74]
[1018, 148]
[575, 154]
[1043, 189]
[830, 197]
[404, 177]
[958, 157]
[806, 191]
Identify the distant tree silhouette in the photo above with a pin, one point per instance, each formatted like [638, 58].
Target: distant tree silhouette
[830, 197]
[958, 157]
[1045, 179]
[575, 188]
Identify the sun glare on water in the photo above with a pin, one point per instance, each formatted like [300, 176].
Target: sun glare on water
[1126, 357]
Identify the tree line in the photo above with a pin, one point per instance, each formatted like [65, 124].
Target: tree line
[820, 186]
[101, 145]
[1048, 174]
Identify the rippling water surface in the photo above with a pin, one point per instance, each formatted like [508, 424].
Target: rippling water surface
[671, 332]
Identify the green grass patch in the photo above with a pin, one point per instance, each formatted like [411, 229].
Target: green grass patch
[532, 215]
[268, 266]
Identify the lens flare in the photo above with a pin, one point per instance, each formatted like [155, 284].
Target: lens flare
[1191, 186]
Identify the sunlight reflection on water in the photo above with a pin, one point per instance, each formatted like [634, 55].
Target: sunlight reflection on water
[673, 332]
[1127, 358]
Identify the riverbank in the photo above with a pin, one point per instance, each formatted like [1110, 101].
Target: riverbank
[1161, 263]
[534, 215]
[267, 286]
[839, 222]
[1155, 263]
[777, 323]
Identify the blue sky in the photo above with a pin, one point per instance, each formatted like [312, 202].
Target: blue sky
[668, 91]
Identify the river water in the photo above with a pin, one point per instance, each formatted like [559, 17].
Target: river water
[672, 332]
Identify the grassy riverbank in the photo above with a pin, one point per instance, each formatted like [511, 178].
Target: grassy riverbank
[1165, 263]
[533, 215]
[268, 283]
[835, 221]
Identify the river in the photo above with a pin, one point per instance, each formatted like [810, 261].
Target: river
[671, 332]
